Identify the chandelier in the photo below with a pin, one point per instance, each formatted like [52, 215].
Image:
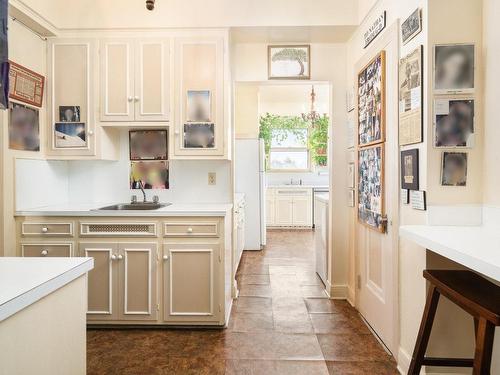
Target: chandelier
[312, 116]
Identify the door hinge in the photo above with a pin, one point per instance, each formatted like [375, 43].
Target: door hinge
[220, 308]
[220, 256]
[358, 281]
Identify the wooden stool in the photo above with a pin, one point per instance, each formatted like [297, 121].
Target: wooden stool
[478, 297]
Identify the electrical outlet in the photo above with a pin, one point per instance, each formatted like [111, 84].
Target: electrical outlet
[212, 179]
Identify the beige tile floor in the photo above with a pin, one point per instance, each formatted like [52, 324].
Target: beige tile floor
[282, 323]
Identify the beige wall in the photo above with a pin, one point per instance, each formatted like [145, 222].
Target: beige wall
[29, 50]
[246, 110]
[491, 59]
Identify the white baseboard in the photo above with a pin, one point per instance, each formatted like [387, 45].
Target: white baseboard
[404, 360]
[339, 291]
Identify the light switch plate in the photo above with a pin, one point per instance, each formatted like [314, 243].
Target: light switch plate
[212, 178]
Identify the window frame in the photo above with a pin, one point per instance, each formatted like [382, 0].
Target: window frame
[292, 149]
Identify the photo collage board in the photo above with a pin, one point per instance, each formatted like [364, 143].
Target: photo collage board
[371, 143]
[149, 166]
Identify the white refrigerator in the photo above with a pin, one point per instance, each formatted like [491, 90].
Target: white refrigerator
[250, 179]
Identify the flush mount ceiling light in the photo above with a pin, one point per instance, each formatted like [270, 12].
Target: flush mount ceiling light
[150, 4]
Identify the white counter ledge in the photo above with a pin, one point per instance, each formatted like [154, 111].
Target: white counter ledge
[475, 247]
[24, 281]
[91, 209]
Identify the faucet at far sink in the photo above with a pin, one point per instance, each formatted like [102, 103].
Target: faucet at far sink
[135, 205]
[133, 200]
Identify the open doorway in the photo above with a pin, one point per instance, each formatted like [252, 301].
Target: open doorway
[281, 167]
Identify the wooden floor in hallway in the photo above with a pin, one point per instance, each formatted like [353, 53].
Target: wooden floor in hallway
[282, 323]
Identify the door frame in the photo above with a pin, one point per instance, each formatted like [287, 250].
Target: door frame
[390, 36]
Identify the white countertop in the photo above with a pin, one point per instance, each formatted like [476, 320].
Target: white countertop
[304, 186]
[23, 281]
[90, 209]
[322, 197]
[475, 247]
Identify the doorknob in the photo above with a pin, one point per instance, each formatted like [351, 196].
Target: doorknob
[165, 257]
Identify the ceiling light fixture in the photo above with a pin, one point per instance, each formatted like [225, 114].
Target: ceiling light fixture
[312, 116]
[150, 4]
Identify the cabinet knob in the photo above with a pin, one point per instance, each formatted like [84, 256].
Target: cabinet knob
[177, 132]
[44, 253]
[190, 230]
[120, 257]
[113, 257]
[91, 132]
[165, 257]
[45, 229]
[130, 98]
[136, 98]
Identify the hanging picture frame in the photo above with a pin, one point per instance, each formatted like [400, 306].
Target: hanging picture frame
[411, 26]
[454, 68]
[409, 169]
[454, 122]
[289, 61]
[410, 98]
[70, 135]
[371, 102]
[25, 85]
[371, 187]
[198, 106]
[24, 127]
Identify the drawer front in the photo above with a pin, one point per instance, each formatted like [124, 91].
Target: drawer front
[111, 229]
[198, 229]
[46, 249]
[47, 229]
[294, 192]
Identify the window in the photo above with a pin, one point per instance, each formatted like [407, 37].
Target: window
[289, 150]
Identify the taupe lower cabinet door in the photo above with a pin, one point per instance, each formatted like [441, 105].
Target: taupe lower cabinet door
[137, 284]
[102, 280]
[122, 285]
[189, 282]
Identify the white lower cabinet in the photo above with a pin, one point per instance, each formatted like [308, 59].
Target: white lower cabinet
[190, 284]
[122, 285]
[289, 207]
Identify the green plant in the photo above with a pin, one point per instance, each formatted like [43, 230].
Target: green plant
[318, 141]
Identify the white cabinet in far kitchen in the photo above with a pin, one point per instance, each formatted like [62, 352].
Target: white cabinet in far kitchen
[289, 207]
[135, 80]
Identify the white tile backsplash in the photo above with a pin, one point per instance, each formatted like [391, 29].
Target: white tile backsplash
[45, 182]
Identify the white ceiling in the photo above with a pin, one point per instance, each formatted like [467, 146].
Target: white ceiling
[298, 34]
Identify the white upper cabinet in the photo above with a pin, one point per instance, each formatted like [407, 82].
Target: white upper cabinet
[199, 97]
[135, 80]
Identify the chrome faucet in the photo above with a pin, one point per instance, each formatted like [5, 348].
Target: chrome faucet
[141, 185]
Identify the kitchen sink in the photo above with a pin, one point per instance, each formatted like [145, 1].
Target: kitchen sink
[134, 206]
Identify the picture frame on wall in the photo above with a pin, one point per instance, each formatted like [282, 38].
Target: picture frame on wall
[25, 85]
[454, 68]
[371, 187]
[24, 127]
[410, 98]
[199, 135]
[148, 144]
[371, 102]
[412, 26]
[454, 122]
[69, 113]
[154, 174]
[454, 169]
[289, 61]
[409, 169]
[70, 135]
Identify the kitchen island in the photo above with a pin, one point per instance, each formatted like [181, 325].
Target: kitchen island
[168, 266]
[42, 315]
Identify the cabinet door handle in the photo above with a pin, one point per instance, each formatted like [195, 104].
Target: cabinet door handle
[45, 229]
[44, 253]
[130, 98]
[165, 257]
[113, 257]
[120, 257]
[190, 230]
[136, 98]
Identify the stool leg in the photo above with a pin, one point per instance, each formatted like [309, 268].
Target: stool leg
[425, 331]
[484, 347]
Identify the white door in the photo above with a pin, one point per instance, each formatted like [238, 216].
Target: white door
[284, 210]
[117, 80]
[302, 211]
[377, 276]
[152, 80]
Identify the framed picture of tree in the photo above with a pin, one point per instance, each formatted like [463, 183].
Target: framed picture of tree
[289, 62]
